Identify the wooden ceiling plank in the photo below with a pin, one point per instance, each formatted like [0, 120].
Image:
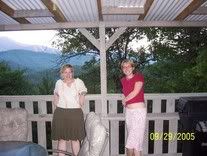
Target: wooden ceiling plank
[147, 6]
[99, 6]
[122, 11]
[22, 20]
[200, 11]
[68, 25]
[53, 8]
[32, 13]
[6, 9]
[10, 12]
[195, 4]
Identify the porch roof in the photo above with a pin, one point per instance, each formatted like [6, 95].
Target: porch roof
[54, 14]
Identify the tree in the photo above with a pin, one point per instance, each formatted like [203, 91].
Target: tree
[201, 66]
[74, 43]
[13, 82]
[166, 63]
[177, 52]
[46, 86]
[91, 76]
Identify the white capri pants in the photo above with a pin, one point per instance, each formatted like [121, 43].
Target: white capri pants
[135, 123]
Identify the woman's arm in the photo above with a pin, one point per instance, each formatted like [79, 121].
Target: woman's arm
[137, 87]
[55, 99]
[82, 98]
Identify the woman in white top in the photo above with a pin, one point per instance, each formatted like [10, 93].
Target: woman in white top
[68, 120]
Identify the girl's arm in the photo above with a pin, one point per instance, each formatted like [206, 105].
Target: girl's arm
[137, 87]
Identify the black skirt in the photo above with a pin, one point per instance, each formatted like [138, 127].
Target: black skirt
[68, 124]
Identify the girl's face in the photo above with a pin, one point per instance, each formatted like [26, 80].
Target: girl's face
[127, 69]
[67, 74]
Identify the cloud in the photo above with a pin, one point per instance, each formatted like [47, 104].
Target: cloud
[35, 37]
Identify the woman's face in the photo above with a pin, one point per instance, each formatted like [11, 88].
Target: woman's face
[127, 69]
[67, 74]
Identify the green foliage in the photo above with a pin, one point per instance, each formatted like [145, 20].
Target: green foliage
[180, 60]
[91, 76]
[182, 44]
[196, 77]
[46, 86]
[174, 62]
[16, 82]
[74, 43]
[201, 67]
[164, 77]
[13, 82]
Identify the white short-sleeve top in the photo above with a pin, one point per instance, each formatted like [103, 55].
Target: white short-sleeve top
[69, 96]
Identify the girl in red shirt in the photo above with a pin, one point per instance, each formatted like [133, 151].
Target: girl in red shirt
[133, 101]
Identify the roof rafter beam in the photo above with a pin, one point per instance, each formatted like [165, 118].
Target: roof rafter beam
[99, 5]
[67, 25]
[115, 36]
[200, 11]
[147, 6]
[32, 13]
[195, 4]
[9, 11]
[122, 10]
[157, 24]
[53, 8]
[90, 37]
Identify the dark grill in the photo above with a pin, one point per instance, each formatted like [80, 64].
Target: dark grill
[193, 112]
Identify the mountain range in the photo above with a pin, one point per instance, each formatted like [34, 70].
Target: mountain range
[37, 61]
[34, 58]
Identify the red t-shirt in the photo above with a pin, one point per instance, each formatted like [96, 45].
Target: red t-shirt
[128, 87]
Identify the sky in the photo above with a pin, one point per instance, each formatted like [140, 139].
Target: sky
[137, 44]
[36, 37]
[45, 38]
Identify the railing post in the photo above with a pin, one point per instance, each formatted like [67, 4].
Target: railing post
[41, 126]
[103, 74]
[29, 108]
[114, 129]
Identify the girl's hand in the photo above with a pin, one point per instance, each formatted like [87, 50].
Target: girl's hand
[124, 102]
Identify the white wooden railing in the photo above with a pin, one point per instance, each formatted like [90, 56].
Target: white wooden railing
[162, 117]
